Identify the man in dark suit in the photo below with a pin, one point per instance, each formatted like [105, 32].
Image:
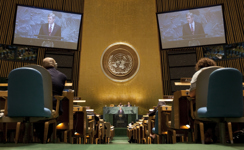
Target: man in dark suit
[128, 104]
[50, 29]
[120, 112]
[58, 83]
[192, 29]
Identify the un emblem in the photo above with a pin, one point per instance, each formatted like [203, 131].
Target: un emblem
[120, 62]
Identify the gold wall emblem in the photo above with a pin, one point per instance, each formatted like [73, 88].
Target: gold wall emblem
[120, 62]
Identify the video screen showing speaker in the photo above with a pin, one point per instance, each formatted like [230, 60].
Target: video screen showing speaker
[46, 28]
[192, 27]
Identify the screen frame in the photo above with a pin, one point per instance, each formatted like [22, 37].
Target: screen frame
[54, 48]
[224, 24]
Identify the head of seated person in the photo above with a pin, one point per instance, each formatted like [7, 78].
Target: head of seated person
[201, 64]
[161, 103]
[49, 62]
[120, 105]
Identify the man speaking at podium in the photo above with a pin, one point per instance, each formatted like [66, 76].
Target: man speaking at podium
[192, 29]
[120, 112]
[50, 29]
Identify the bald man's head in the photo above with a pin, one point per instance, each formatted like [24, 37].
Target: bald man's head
[49, 62]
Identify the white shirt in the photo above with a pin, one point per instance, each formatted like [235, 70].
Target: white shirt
[193, 25]
[194, 80]
[52, 25]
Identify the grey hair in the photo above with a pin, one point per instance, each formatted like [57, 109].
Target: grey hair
[189, 14]
[51, 15]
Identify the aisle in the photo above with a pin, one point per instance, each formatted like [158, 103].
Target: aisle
[120, 140]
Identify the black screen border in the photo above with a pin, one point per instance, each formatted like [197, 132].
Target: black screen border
[55, 48]
[159, 34]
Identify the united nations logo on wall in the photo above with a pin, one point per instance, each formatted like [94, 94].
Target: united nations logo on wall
[120, 62]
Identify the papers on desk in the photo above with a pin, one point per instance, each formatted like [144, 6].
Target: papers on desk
[68, 84]
[182, 83]
[79, 101]
[89, 109]
[1, 115]
[166, 100]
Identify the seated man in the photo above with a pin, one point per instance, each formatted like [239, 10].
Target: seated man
[128, 104]
[58, 80]
[120, 105]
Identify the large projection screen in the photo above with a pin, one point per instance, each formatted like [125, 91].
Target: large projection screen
[192, 27]
[46, 28]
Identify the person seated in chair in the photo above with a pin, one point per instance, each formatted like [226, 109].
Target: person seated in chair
[160, 103]
[202, 63]
[128, 104]
[130, 127]
[120, 105]
[58, 80]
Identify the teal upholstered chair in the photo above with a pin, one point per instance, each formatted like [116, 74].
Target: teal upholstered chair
[155, 128]
[30, 97]
[47, 84]
[25, 94]
[224, 97]
[201, 99]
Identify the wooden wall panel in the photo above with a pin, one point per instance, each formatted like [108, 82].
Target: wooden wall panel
[234, 21]
[233, 13]
[7, 14]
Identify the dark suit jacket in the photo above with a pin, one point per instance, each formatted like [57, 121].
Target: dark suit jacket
[58, 81]
[198, 30]
[121, 112]
[56, 31]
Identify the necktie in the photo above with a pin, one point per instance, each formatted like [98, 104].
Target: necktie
[192, 29]
[50, 30]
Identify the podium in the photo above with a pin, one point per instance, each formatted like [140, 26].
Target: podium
[110, 114]
[120, 120]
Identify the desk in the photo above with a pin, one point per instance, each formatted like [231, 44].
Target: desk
[182, 83]
[179, 110]
[188, 83]
[109, 112]
[6, 84]
[114, 110]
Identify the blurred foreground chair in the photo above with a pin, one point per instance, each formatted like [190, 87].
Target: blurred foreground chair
[26, 99]
[48, 96]
[201, 100]
[224, 100]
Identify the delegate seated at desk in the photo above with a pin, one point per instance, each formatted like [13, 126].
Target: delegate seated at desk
[58, 80]
[120, 105]
[128, 105]
[201, 64]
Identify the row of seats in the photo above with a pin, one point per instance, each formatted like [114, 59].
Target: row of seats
[219, 99]
[29, 101]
